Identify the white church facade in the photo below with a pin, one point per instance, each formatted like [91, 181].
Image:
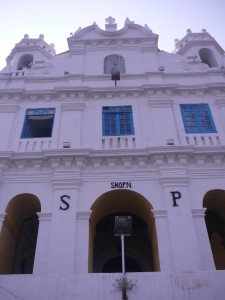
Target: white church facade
[113, 127]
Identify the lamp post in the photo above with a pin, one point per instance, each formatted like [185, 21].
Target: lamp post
[122, 228]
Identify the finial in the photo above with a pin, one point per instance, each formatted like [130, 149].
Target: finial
[110, 20]
[41, 37]
[26, 36]
[203, 30]
[127, 21]
[110, 24]
[189, 31]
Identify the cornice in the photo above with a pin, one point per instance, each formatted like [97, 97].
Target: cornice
[8, 107]
[65, 93]
[169, 161]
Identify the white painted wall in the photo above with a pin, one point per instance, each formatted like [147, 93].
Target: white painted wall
[168, 285]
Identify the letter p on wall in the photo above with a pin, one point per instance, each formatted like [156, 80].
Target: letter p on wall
[176, 195]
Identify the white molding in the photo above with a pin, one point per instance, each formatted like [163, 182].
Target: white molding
[198, 212]
[73, 106]
[159, 213]
[8, 108]
[2, 216]
[43, 216]
[83, 214]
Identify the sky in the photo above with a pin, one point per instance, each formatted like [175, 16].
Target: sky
[56, 19]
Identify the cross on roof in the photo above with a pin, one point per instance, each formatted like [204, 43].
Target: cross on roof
[110, 20]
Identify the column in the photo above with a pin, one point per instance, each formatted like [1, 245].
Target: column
[82, 242]
[203, 239]
[41, 253]
[163, 238]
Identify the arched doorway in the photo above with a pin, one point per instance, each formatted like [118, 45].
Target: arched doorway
[19, 235]
[214, 201]
[141, 253]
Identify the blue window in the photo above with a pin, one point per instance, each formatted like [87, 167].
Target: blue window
[117, 120]
[38, 123]
[197, 118]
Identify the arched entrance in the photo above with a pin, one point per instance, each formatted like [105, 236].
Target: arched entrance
[19, 235]
[141, 253]
[214, 201]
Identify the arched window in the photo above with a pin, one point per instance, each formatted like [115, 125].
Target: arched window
[18, 235]
[207, 57]
[114, 61]
[25, 61]
[214, 201]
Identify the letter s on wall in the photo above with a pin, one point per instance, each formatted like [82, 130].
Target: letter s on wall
[66, 204]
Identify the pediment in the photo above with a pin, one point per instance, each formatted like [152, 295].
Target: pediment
[96, 34]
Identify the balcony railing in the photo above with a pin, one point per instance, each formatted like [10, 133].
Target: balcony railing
[34, 145]
[203, 140]
[116, 142]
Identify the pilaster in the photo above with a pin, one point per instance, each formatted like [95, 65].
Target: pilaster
[203, 239]
[182, 232]
[82, 255]
[63, 228]
[41, 253]
[163, 237]
[70, 131]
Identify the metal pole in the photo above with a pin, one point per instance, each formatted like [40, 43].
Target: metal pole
[123, 256]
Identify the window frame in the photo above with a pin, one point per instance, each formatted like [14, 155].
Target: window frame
[197, 116]
[37, 112]
[120, 124]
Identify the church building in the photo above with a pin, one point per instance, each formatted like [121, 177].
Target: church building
[113, 129]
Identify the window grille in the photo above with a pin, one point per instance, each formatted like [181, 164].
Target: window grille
[117, 120]
[114, 61]
[197, 118]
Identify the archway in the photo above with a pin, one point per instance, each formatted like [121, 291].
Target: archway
[104, 248]
[25, 61]
[207, 56]
[19, 235]
[214, 201]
